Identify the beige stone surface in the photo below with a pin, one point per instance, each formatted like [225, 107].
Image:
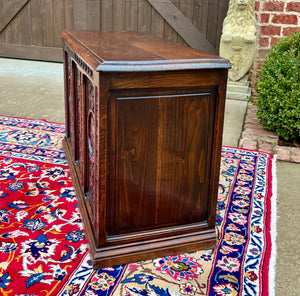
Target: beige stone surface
[288, 258]
[233, 122]
[32, 89]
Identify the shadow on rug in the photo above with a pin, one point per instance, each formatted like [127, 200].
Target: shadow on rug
[43, 249]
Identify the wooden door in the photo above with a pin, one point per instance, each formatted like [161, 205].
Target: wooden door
[30, 28]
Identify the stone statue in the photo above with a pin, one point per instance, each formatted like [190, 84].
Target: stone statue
[238, 38]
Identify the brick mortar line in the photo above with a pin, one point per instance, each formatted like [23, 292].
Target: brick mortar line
[276, 12]
[277, 24]
[273, 13]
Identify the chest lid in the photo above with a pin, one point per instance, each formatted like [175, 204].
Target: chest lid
[130, 51]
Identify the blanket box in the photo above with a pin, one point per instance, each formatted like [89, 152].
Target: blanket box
[144, 121]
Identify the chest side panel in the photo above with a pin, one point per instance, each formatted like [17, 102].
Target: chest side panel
[161, 160]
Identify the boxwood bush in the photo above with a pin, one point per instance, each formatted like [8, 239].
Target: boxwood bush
[278, 89]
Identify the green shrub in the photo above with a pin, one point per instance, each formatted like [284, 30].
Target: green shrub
[278, 89]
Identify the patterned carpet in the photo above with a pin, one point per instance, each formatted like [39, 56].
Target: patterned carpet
[43, 249]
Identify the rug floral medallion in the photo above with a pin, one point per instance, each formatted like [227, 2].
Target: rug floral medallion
[44, 251]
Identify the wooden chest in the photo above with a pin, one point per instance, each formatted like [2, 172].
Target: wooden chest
[144, 121]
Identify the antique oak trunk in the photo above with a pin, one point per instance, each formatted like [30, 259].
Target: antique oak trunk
[144, 121]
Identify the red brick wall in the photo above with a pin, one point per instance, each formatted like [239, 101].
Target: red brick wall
[275, 19]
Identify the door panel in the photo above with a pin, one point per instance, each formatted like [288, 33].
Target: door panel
[30, 28]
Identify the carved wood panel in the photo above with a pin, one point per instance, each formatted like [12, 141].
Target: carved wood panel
[73, 110]
[90, 144]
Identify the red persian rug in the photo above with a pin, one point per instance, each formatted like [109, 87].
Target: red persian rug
[43, 249]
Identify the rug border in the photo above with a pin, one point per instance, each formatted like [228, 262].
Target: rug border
[273, 227]
[269, 267]
[44, 124]
[269, 272]
[32, 119]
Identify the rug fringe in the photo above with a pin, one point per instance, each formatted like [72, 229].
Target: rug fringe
[272, 265]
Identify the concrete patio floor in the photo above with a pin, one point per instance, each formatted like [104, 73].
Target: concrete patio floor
[35, 90]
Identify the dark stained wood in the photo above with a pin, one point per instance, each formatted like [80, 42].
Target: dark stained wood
[188, 79]
[159, 55]
[143, 139]
[169, 176]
